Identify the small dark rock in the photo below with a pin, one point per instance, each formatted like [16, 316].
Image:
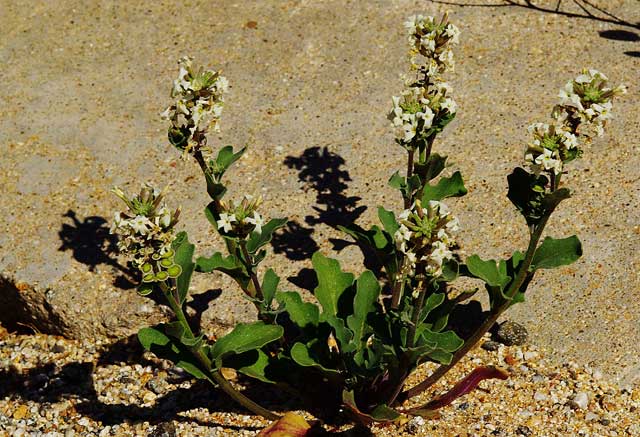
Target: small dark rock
[490, 346]
[605, 422]
[511, 333]
[57, 349]
[166, 429]
[124, 379]
[157, 385]
[463, 406]
[524, 430]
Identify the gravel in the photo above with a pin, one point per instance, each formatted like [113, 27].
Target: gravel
[57, 387]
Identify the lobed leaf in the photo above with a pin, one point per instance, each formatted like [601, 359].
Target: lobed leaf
[446, 187]
[245, 337]
[302, 356]
[155, 341]
[554, 253]
[184, 258]
[364, 303]
[301, 313]
[257, 240]
[270, 283]
[290, 425]
[332, 283]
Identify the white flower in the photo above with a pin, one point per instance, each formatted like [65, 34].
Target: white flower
[603, 110]
[140, 224]
[570, 140]
[222, 84]
[450, 105]
[453, 225]
[226, 221]
[257, 220]
[411, 258]
[164, 217]
[453, 33]
[548, 162]
[402, 235]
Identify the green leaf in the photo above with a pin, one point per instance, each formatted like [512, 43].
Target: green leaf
[406, 186]
[396, 181]
[379, 241]
[301, 313]
[252, 363]
[332, 283]
[382, 413]
[184, 258]
[488, 271]
[554, 253]
[257, 240]
[367, 293]
[434, 166]
[528, 192]
[270, 283]
[450, 271]
[155, 341]
[432, 302]
[225, 158]
[552, 200]
[245, 337]
[446, 187]
[440, 356]
[211, 214]
[388, 220]
[145, 288]
[301, 355]
[229, 265]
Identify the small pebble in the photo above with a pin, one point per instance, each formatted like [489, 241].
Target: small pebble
[490, 346]
[511, 333]
[414, 425]
[540, 397]
[580, 400]
[524, 431]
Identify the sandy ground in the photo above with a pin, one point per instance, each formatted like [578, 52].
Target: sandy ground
[82, 85]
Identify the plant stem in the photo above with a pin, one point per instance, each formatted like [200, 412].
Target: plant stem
[417, 309]
[249, 265]
[408, 200]
[398, 289]
[490, 321]
[214, 376]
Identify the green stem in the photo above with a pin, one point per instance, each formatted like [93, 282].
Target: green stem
[398, 290]
[249, 265]
[523, 271]
[213, 376]
[418, 303]
[408, 200]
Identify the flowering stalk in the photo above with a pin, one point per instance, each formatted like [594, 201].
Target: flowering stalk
[147, 233]
[423, 109]
[585, 103]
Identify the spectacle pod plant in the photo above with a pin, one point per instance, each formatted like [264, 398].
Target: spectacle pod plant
[362, 335]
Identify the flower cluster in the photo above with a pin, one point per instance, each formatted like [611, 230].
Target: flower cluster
[418, 110]
[146, 233]
[242, 219]
[584, 101]
[433, 41]
[587, 99]
[425, 107]
[424, 236]
[199, 101]
[552, 146]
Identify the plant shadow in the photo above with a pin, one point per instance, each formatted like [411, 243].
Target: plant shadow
[321, 171]
[587, 10]
[91, 244]
[50, 383]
